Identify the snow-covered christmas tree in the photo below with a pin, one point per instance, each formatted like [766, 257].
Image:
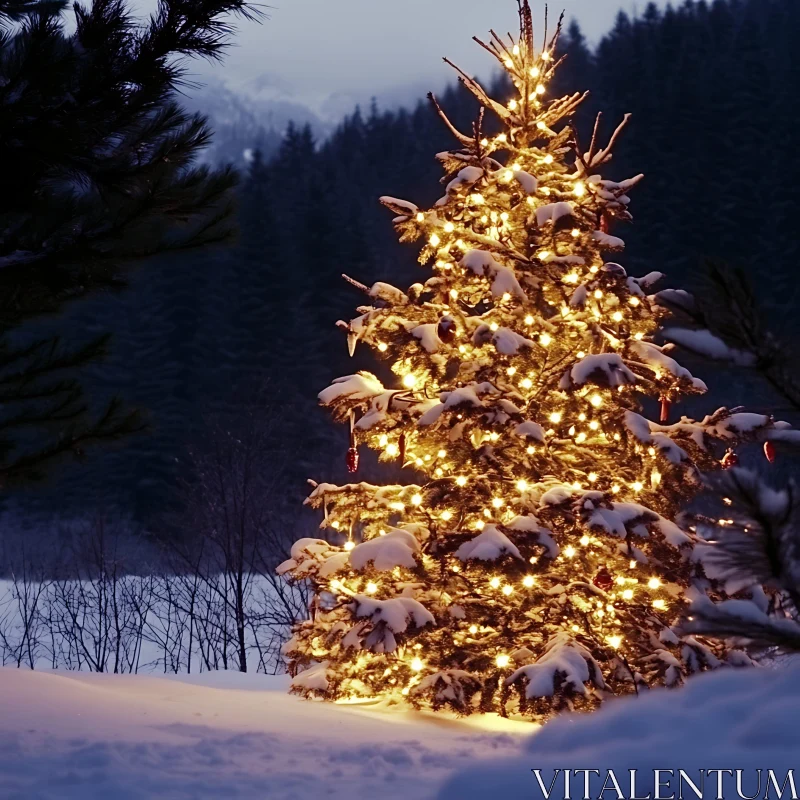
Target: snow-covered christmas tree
[535, 562]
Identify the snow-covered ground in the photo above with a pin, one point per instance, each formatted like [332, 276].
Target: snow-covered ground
[225, 735]
[221, 735]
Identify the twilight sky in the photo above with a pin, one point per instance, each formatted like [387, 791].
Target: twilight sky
[331, 53]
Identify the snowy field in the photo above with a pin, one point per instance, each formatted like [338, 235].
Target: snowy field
[85, 736]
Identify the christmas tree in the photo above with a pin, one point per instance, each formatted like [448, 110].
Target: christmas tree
[535, 562]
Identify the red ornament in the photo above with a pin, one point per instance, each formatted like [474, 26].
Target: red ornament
[730, 459]
[352, 459]
[603, 580]
[665, 407]
[770, 452]
[605, 223]
[446, 330]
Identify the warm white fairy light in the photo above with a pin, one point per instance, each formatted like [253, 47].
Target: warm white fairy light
[372, 588]
[528, 581]
[417, 665]
[502, 661]
[555, 417]
[416, 500]
[349, 545]
[522, 485]
[495, 583]
[461, 480]
[409, 381]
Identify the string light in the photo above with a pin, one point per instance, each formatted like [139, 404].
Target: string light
[409, 381]
[659, 604]
[615, 641]
[383, 347]
[522, 485]
[617, 316]
[449, 227]
[498, 502]
[502, 661]
[555, 417]
[579, 189]
[473, 629]
[461, 481]
[545, 339]
[653, 583]
[634, 301]
[446, 515]
[569, 551]
[392, 450]
[417, 665]
[434, 240]
[529, 320]
[372, 588]
[528, 581]
[508, 589]
[627, 594]
[416, 500]
[526, 383]
[596, 400]
[495, 583]
[349, 545]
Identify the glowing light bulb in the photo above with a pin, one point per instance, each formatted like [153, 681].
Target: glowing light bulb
[594, 424]
[508, 589]
[545, 339]
[528, 581]
[383, 347]
[502, 137]
[480, 525]
[638, 486]
[526, 383]
[508, 63]
[634, 301]
[434, 240]
[446, 515]
[540, 125]
[585, 540]
[335, 524]
[576, 485]
[579, 189]
[384, 440]
[534, 72]
[544, 255]
[580, 438]
[615, 488]
[495, 583]
[449, 227]
[596, 400]
[555, 417]
[508, 175]
[529, 320]
[571, 431]
[502, 661]
[454, 294]
[655, 477]
[498, 502]
[417, 665]
[540, 89]
[581, 354]
[511, 371]
[627, 594]
[416, 500]
[420, 217]
[592, 477]
[372, 588]
[494, 326]
[615, 641]
[409, 381]
[530, 450]
[461, 481]
[573, 277]
[336, 584]
[617, 316]
[639, 336]
[598, 294]
[653, 583]
[512, 104]
[575, 233]
[569, 551]
[522, 485]
[548, 159]
[659, 605]
[349, 545]
[392, 450]
[473, 629]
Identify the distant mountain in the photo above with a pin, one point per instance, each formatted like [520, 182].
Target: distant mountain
[254, 116]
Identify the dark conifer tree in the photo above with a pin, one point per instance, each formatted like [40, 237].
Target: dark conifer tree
[97, 160]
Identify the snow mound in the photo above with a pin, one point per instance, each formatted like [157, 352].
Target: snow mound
[489, 545]
[395, 549]
[736, 719]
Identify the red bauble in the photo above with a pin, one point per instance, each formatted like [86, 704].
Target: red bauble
[603, 580]
[352, 459]
[665, 407]
[730, 459]
[446, 330]
[770, 452]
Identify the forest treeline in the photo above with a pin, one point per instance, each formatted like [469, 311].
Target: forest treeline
[714, 89]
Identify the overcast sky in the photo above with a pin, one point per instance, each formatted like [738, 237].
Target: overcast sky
[331, 52]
